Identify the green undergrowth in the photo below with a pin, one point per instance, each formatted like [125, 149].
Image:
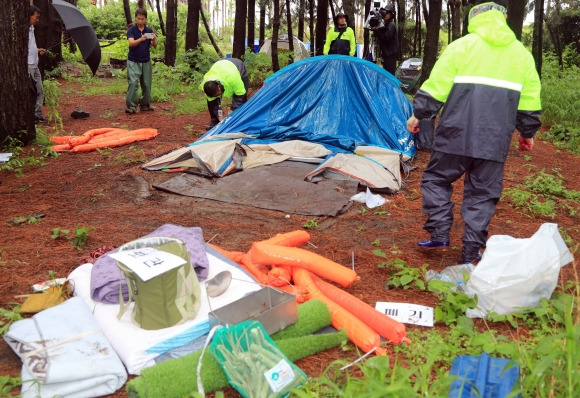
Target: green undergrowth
[544, 194]
[544, 342]
[560, 104]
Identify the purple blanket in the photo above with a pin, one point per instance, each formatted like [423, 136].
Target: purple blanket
[107, 279]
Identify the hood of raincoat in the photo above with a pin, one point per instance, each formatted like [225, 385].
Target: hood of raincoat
[492, 27]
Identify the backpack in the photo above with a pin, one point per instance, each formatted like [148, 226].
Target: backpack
[168, 299]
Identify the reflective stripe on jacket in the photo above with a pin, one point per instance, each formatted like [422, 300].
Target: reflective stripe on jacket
[489, 85]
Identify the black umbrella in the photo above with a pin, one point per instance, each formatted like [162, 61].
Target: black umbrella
[81, 31]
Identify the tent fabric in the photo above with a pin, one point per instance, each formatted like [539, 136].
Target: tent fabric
[300, 49]
[338, 101]
[311, 111]
[343, 166]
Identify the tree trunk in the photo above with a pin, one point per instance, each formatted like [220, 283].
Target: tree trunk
[555, 36]
[321, 21]
[418, 32]
[192, 26]
[251, 24]
[332, 13]
[467, 4]
[401, 16]
[127, 11]
[208, 30]
[274, 43]
[349, 8]
[433, 16]
[516, 15]
[16, 106]
[537, 41]
[171, 38]
[239, 47]
[301, 13]
[262, 32]
[311, 26]
[455, 19]
[367, 35]
[449, 26]
[161, 24]
[290, 35]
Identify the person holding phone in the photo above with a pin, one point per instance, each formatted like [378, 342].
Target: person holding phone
[141, 38]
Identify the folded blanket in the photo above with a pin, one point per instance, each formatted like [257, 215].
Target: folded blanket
[65, 353]
[107, 278]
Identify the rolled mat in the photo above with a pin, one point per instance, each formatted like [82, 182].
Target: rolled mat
[178, 377]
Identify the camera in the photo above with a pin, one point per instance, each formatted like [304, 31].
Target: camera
[375, 18]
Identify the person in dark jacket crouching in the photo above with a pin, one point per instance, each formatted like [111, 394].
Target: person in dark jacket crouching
[488, 83]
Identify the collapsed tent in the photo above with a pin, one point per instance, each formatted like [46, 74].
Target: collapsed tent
[300, 49]
[345, 113]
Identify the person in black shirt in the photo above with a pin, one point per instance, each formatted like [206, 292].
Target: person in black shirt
[386, 37]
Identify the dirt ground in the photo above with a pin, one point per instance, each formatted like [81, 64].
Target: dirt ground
[109, 192]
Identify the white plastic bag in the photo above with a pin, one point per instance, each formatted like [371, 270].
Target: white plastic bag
[516, 273]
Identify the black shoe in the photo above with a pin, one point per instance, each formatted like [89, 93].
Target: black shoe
[130, 111]
[146, 108]
[40, 119]
[432, 244]
[474, 261]
[79, 114]
[209, 127]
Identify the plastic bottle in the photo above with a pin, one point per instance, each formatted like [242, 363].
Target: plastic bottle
[454, 274]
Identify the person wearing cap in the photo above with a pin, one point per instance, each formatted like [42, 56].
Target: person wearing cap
[340, 39]
[386, 36]
[228, 78]
[488, 84]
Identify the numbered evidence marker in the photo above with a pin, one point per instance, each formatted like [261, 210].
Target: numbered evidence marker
[407, 313]
[148, 262]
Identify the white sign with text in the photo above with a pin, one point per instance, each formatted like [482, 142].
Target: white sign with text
[407, 313]
[148, 262]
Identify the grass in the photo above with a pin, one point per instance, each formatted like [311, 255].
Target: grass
[560, 101]
[544, 194]
[548, 355]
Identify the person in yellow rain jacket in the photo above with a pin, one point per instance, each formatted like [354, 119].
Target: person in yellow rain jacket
[340, 39]
[229, 78]
[488, 86]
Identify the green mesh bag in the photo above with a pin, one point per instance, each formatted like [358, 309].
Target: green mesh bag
[167, 299]
[253, 363]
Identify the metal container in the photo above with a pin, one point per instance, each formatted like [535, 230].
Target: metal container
[274, 308]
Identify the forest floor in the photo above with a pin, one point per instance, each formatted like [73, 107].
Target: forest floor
[108, 191]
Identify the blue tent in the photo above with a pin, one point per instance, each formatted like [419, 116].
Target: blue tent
[338, 101]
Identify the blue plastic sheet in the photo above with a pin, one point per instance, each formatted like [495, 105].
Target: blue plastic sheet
[338, 101]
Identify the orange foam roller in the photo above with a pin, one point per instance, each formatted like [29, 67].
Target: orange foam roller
[263, 253]
[357, 331]
[384, 325]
